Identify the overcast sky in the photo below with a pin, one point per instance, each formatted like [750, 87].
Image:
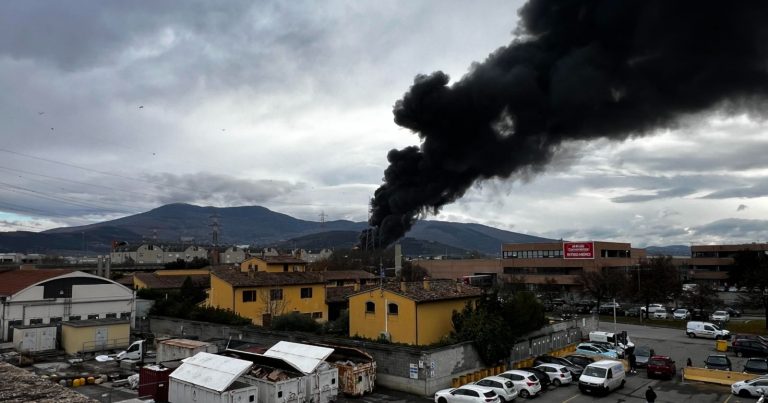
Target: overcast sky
[113, 108]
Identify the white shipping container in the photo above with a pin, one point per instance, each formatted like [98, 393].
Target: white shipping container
[178, 349]
[184, 392]
[34, 338]
[323, 385]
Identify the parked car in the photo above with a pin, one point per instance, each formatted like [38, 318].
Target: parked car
[541, 376]
[502, 386]
[661, 366]
[526, 383]
[651, 308]
[751, 388]
[642, 355]
[660, 314]
[733, 289]
[609, 347]
[580, 359]
[633, 311]
[590, 349]
[467, 394]
[681, 313]
[749, 348]
[573, 368]
[718, 361]
[755, 337]
[602, 377]
[720, 316]
[706, 329]
[733, 311]
[757, 366]
[558, 374]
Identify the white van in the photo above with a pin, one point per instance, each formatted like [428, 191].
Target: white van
[706, 329]
[612, 338]
[602, 377]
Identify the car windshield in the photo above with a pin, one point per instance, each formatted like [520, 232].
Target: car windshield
[489, 393]
[681, 311]
[595, 371]
[657, 362]
[533, 378]
[757, 364]
[718, 360]
[564, 361]
[720, 313]
[642, 351]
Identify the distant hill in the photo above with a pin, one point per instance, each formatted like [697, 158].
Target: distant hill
[254, 225]
[671, 250]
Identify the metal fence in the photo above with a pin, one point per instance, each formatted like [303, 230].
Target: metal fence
[539, 345]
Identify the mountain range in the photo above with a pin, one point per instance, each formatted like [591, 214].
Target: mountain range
[255, 226]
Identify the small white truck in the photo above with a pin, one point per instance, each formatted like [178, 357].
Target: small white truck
[167, 350]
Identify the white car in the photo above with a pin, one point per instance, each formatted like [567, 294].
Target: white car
[558, 374]
[652, 308]
[525, 382]
[753, 387]
[467, 394]
[660, 314]
[681, 314]
[502, 386]
[720, 316]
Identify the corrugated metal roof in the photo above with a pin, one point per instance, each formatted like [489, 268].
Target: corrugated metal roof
[211, 371]
[303, 356]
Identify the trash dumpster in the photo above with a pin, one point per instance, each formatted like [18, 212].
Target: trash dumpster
[721, 345]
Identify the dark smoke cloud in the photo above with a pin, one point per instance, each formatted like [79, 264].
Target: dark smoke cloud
[581, 70]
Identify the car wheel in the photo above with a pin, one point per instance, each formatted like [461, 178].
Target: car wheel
[441, 400]
[524, 394]
[744, 393]
[691, 335]
[739, 354]
[622, 384]
[556, 382]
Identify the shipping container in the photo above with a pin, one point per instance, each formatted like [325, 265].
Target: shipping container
[357, 370]
[322, 379]
[323, 385]
[34, 338]
[153, 382]
[210, 378]
[178, 349]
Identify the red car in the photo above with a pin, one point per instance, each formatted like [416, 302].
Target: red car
[661, 366]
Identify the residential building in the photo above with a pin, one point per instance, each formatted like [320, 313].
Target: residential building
[340, 284]
[416, 313]
[50, 296]
[262, 295]
[274, 264]
[232, 255]
[171, 279]
[155, 253]
[312, 255]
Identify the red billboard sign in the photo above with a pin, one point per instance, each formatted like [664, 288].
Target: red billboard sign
[578, 250]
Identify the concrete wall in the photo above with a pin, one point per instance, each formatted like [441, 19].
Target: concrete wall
[433, 368]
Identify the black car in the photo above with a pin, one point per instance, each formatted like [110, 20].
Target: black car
[579, 359]
[718, 361]
[633, 311]
[749, 348]
[757, 366]
[573, 368]
[733, 312]
[543, 377]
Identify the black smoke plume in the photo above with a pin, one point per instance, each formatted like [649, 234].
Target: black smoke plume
[579, 70]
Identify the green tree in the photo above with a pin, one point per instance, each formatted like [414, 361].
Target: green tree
[295, 321]
[750, 269]
[191, 292]
[655, 280]
[413, 272]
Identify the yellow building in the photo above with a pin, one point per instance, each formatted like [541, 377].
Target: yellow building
[261, 295]
[417, 313]
[80, 336]
[273, 264]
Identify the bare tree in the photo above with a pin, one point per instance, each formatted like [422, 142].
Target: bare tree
[274, 303]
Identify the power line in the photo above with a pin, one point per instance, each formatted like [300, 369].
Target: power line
[19, 189]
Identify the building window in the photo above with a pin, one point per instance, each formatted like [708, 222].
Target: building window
[74, 317]
[93, 316]
[125, 315]
[392, 309]
[370, 307]
[306, 292]
[285, 267]
[339, 283]
[54, 319]
[276, 294]
[36, 321]
[111, 315]
[249, 296]
[317, 315]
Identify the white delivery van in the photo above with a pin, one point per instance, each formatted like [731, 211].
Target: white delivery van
[706, 329]
[602, 377]
[616, 339]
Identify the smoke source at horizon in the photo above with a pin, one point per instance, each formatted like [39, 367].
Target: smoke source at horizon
[579, 70]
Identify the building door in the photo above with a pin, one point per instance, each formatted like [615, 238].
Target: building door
[266, 320]
[100, 338]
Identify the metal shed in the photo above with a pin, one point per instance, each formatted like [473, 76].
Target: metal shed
[82, 336]
[322, 379]
[34, 338]
[210, 378]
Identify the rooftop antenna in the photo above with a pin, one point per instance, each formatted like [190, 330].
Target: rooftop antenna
[322, 219]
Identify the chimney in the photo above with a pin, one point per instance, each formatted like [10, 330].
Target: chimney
[357, 286]
[403, 287]
[426, 283]
[108, 268]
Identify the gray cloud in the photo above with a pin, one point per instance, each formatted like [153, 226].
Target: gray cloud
[759, 189]
[741, 207]
[661, 194]
[734, 229]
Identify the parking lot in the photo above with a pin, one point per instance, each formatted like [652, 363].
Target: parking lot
[664, 341]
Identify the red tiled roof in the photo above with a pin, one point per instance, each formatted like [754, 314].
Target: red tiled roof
[152, 280]
[331, 275]
[281, 259]
[260, 278]
[438, 290]
[14, 281]
[340, 294]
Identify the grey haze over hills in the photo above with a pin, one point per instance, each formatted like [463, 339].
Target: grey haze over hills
[254, 225]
